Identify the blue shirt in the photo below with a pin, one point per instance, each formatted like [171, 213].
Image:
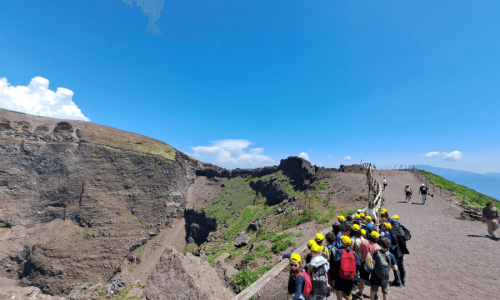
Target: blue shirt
[338, 241]
[338, 253]
[299, 280]
[370, 225]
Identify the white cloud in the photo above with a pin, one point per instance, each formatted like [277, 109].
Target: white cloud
[431, 154]
[257, 150]
[231, 152]
[304, 156]
[37, 99]
[348, 158]
[329, 156]
[452, 156]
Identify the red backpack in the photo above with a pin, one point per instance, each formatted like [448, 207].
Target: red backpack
[347, 265]
[307, 283]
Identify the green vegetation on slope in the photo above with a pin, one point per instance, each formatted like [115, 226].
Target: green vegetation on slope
[238, 194]
[471, 197]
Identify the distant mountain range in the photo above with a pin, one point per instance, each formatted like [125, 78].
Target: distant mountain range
[492, 174]
[488, 184]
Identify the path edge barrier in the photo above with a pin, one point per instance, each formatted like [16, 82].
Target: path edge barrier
[255, 287]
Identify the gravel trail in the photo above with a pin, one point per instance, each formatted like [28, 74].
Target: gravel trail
[449, 258]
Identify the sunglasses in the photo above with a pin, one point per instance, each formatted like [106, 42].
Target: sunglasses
[294, 265]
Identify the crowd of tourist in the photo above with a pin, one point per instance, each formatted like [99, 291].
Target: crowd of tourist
[360, 250]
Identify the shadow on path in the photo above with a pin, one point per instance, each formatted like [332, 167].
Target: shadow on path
[484, 236]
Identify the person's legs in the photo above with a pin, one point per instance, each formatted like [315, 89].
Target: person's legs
[402, 271]
[361, 286]
[373, 291]
[491, 227]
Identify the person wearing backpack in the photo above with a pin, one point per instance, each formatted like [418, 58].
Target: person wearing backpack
[348, 263]
[490, 216]
[423, 191]
[367, 248]
[369, 224]
[309, 256]
[299, 282]
[385, 231]
[398, 249]
[356, 238]
[384, 262]
[318, 271]
[319, 240]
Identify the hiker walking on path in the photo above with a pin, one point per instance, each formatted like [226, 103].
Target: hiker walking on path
[490, 216]
[367, 248]
[348, 263]
[318, 271]
[384, 262]
[297, 280]
[398, 249]
[408, 192]
[423, 191]
[385, 183]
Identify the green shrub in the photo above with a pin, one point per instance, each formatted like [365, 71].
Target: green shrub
[330, 176]
[264, 269]
[244, 278]
[320, 187]
[300, 234]
[282, 245]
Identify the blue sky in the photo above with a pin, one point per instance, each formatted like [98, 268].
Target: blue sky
[382, 81]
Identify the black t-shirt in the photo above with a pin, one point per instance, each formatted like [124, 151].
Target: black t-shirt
[423, 190]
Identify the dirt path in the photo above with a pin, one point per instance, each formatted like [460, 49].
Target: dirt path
[450, 258]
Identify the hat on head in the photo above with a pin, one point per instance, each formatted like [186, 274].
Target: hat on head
[362, 215]
[341, 218]
[368, 218]
[319, 237]
[346, 240]
[388, 226]
[363, 232]
[423, 184]
[310, 243]
[360, 210]
[374, 234]
[383, 211]
[315, 248]
[355, 227]
[295, 258]
[395, 217]
[357, 217]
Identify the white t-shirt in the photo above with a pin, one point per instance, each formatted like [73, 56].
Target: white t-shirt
[385, 181]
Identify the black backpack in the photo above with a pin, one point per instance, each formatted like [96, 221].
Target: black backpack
[406, 232]
[382, 264]
[319, 280]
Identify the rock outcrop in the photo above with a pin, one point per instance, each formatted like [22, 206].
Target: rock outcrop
[25, 293]
[184, 277]
[76, 197]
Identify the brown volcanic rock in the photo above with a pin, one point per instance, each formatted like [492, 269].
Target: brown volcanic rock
[32, 293]
[76, 198]
[184, 277]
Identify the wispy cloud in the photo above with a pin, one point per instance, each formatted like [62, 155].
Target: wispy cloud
[232, 152]
[347, 158]
[304, 156]
[452, 156]
[431, 154]
[37, 99]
